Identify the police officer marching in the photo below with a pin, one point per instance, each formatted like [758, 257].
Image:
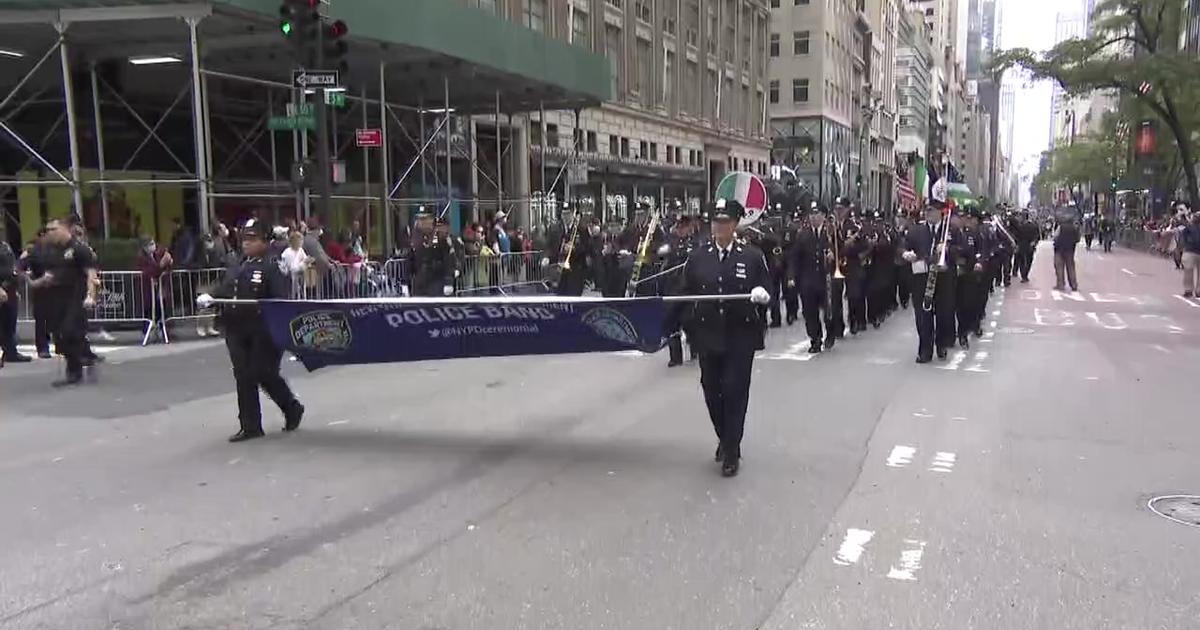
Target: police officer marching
[968, 285]
[432, 259]
[930, 248]
[808, 275]
[680, 244]
[726, 334]
[69, 288]
[252, 352]
[572, 253]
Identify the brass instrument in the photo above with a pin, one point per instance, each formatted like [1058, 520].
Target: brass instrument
[643, 251]
[834, 244]
[931, 279]
[568, 246]
[828, 279]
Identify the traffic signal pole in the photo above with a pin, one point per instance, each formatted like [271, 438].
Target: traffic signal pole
[324, 166]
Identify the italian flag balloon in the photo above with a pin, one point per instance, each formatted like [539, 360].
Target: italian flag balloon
[748, 190]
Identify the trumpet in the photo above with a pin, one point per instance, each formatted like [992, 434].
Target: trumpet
[568, 247]
[837, 254]
[931, 279]
[643, 250]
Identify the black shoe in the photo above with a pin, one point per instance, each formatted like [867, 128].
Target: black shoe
[673, 363]
[16, 357]
[45, 354]
[292, 417]
[1024, 280]
[829, 341]
[978, 333]
[720, 454]
[963, 342]
[791, 319]
[242, 436]
[941, 353]
[92, 361]
[814, 348]
[924, 359]
[877, 323]
[70, 381]
[1187, 294]
[729, 467]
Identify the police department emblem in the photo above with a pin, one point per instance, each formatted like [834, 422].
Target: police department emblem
[611, 325]
[321, 331]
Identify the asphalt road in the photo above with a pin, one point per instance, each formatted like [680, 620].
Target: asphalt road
[1003, 488]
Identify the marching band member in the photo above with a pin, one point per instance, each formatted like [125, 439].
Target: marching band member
[808, 275]
[928, 247]
[726, 334]
[681, 243]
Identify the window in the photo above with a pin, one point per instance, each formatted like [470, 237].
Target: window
[535, 14]
[488, 5]
[624, 147]
[774, 4]
[694, 157]
[614, 145]
[619, 4]
[773, 90]
[670, 154]
[643, 149]
[654, 151]
[678, 155]
[643, 63]
[552, 136]
[691, 77]
[801, 2]
[643, 12]
[774, 44]
[800, 90]
[581, 30]
[800, 42]
[591, 142]
[668, 88]
[615, 53]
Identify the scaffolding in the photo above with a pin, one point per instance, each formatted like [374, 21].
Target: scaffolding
[450, 141]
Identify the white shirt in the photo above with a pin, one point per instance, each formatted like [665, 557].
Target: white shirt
[723, 252]
[292, 261]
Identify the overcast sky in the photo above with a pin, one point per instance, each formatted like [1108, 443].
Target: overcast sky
[1030, 24]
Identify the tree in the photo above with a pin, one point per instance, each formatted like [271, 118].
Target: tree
[1134, 50]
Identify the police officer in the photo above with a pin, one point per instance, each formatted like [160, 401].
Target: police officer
[432, 259]
[879, 273]
[968, 285]
[791, 296]
[808, 275]
[681, 243]
[9, 299]
[935, 319]
[1027, 235]
[570, 239]
[835, 321]
[69, 288]
[771, 244]
[726, 334]
[253, 353]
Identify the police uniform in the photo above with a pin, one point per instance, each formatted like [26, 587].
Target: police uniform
[808, 275]
[433, 265]
[69, 268]
[879, 271]
[791, 295]
[252, 352]
[936, 325]
[573, 243]
[8, 308]
[725, 334]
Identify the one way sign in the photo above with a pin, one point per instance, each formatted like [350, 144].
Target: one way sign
[315, 78]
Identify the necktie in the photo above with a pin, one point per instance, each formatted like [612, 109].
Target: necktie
[724, 254]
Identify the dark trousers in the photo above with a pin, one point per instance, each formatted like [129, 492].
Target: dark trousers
[675, 348]
[69, 328]
[1088, 238]
[835, 323]
[778, 284]
[8, 320]
[1064, 264]
[812, 301]
[934, 327]
[571, 282]
[903, 280]
[725, 379]
[967, 303]
[1004, 269]
[856, 302]
[1107, 239]
[256, 364]
[1024, 262]
[791, 303]
[880, 298]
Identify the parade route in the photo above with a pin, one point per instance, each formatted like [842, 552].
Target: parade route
[1005, 487]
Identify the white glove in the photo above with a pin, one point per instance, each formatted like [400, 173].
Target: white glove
[457, 273]
[204, 300]
[664, 250]
[545, 262]
[909, 256]
[404, 290]
[447, 290]
[623, 252]
[759, 295]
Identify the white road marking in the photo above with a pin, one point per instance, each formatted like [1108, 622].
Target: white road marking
[1093, 378]
[901, 456]
[1187, 301]
[980, 357]
[1060, 295]
[1115, 321]
[996, 313]
[922, 414]
[32, 350]
[955, 361]
[910, 561]
[1100, 256]
[959, 418]
[1127, 272]
[1043, 317]
[943, 462]
[1161, 348]
[1171, 327]
[852, 546]
[1031, 295]
[881, 361]
[337, 422]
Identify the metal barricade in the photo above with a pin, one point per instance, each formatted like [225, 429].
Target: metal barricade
[24, 305]
[502, 274]
[177, 297]
[393, 275]
[127, 297]
[339, 282]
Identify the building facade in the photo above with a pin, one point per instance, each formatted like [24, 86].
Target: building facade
[689, 90]
[914, 66]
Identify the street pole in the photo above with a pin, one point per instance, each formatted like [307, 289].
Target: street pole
[324, 169]
[100, 151]
[72, 124]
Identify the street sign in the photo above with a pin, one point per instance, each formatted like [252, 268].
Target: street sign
[335, 98]
[300, 109]
[292, 123]
[366, 138]
[315, 78]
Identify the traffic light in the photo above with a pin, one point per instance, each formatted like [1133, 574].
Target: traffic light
[1113, 184]
[335, 46]
[298, 21]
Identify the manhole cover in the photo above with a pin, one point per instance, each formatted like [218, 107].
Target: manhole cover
[1181, 508]
[1016, 331]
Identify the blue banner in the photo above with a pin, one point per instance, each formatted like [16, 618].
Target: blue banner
[347, 332]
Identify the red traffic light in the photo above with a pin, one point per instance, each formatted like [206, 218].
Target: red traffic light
[338, 29]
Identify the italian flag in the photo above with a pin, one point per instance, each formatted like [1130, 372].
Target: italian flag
[746, 189]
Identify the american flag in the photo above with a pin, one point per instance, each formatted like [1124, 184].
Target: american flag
[905, 192]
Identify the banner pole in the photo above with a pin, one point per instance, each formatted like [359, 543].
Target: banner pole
[498, 300]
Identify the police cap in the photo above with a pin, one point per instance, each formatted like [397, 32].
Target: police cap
[728, 210]
[253, 228]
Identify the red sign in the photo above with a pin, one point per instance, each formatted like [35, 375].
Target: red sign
[368, 137]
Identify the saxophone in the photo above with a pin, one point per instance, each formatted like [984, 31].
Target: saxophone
[643, 251]
[931, 279]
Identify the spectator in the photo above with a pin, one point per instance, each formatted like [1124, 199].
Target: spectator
[279, 242]
[356, 244]
[183, 246]
[312, 245]
[1190, 246]
[154, 262]
[500, 241]
[296, 265]
[1065, 240]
